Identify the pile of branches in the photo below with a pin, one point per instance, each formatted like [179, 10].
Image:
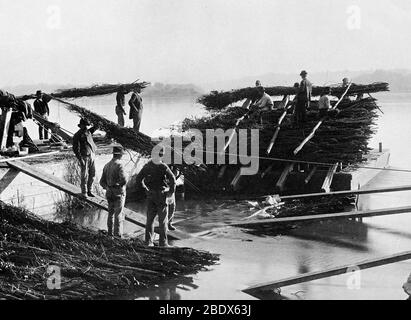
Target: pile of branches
[343, 137]
[92, 265]
[127, 137]
[219, 100]
[96, 90]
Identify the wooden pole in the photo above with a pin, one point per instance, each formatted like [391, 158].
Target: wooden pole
[284, 175]
[37, 155]
[277, 131]
[311, 175]
[346, 193]
[4, 127]
[329, 178]
[366, 264]
[328, 216]
[301, 146]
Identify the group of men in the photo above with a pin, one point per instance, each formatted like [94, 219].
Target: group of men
[303, 95]
[157, 179]
[136, 107]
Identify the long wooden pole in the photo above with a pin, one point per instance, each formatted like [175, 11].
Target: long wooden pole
[301, 146]
[348, 192]
[328, 216]
[366, 264]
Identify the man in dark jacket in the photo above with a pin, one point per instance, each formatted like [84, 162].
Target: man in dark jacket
[303, 99]
[136, 109]
[42, 108]
[160, 184]
[85, 150]
[121, 102]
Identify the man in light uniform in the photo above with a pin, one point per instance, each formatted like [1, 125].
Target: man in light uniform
[114, 181]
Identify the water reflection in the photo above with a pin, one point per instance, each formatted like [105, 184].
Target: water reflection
[168, 290]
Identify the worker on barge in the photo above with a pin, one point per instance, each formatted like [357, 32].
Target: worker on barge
[85, 150]
[42, 108]
[303, 99]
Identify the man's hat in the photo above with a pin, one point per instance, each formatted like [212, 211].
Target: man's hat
[38, 92]
[118, 150]
[84, 122]
[303, 73]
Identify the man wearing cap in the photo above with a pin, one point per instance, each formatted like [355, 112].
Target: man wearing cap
[114, 181]
[42, 108]
[160, 184]
[120, 111]
[136, 109]
[303, 98]
[85, 150]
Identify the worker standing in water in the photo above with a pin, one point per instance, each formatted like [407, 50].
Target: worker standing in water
[160, 184]
[303, 99]
[42, 108]
[85, 150]
[121, 102]
[136, 109]
[114, 181]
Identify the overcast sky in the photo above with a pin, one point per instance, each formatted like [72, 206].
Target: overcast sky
[90, 41]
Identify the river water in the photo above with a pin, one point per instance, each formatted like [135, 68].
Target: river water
[248, 259]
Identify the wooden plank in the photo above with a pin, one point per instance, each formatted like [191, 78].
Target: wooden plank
[328, 216]
[326, 187]
[37, 155]
[7, 179]
[99, 202]
[301, 146]
[366, 264]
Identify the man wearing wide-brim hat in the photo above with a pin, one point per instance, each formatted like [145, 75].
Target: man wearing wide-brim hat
[114, 181]
[85, 150]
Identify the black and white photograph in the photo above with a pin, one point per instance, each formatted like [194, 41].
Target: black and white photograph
[223, 151]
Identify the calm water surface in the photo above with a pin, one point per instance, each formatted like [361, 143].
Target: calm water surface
[248, 259]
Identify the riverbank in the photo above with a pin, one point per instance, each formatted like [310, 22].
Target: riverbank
[45, 260]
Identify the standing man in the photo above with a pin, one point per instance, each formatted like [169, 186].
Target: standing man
[121, 102]
[136, 109]
[42, 108]
[114, 181]
[303, 98]
[160, 184]
[85, 150]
